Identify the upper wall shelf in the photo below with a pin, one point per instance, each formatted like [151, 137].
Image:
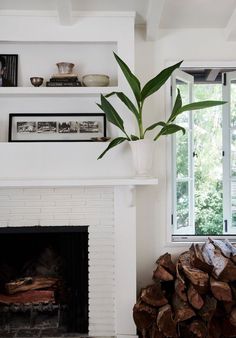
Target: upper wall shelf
[37, 91]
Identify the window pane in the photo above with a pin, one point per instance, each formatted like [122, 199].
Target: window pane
[208, 162]
[233, 103]
[233, 203]
[184, 92]
[182, 205]
[182, 155]
[233, 153]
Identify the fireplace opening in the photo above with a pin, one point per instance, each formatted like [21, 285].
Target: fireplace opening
[43, 281]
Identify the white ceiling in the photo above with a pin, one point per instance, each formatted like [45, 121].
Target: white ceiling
[166, 14]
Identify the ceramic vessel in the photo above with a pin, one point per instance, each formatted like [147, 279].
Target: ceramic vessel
[95, 80]
[65, 67]
[36, 81]
[142, 152]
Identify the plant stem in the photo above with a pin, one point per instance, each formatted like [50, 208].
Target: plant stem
[140, 122]
[158, 135]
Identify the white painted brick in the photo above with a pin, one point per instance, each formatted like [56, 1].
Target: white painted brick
[55, 210]
[24, 197]
[72, 190]
[25, 210]
[39, 203]
[54, 196]
[7, 191]
[54, 223]
[35, 191]
[3, 224]
[99, 288]
[12, 204]
[92, 206]
[70, 203]
[103, 315]
[38, 217]
[5, 210]
[11, 217]
[4, 198]
[101, 294]
[101, 326]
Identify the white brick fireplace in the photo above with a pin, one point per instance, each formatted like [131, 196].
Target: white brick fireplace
[108, 208]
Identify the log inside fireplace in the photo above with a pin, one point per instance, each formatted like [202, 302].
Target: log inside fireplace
[43, 280]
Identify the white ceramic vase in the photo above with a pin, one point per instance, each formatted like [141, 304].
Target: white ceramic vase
[142, 151]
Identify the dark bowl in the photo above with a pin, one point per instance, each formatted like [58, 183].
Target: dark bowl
[36, 81]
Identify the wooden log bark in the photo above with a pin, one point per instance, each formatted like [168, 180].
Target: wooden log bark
[180, 283]
[198, 278]
[224, 268]
[144, 315]
[197, 259]
[228, 330]
[233, 250]
[220, 290]
[161, 274]
[214, 328]
[166, 262]
[165, 321]
[154, 332]
[180, 289]
[198, 328]
[30, 283]
[194, 298]
[153, 295]
[232, 316]
[29, 297]
[221, 245]
[209, 308]
[182, 310]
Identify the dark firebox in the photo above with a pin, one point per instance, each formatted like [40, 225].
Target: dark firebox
[43, 281]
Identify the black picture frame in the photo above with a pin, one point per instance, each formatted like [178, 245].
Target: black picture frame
[8, 70]
[42, 127]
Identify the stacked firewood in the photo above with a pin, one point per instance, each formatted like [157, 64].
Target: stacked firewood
[37, 282]
[30, 290]
[194, 298]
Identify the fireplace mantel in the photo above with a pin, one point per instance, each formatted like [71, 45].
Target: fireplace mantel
[108, 206]
[78, 182]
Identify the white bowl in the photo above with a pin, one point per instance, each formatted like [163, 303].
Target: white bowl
[95, 80]
[65, 67]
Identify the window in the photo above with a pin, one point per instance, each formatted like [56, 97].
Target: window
[204, 159]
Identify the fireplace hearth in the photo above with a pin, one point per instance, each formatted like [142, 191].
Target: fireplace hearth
[43, 281]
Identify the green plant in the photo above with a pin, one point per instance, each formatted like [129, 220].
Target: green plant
[141, 94]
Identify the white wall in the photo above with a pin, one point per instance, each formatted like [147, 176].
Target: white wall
[152, 57]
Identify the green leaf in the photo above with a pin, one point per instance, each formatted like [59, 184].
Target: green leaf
[154, 84]
[134, 137]
[129, 104]
[200, 105]
[171, 129]
[176, 108]
[110, 94]
[112, 144]
[111, 113]
[130, 77]
[162, 124]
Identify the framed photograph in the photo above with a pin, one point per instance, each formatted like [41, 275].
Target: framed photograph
[56, 127]
[8, 70]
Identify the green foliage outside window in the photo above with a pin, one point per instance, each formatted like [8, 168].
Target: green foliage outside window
[207, 136]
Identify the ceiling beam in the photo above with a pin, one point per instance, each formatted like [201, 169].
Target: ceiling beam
[153, 18]
[64, 10]
[213, 74]
[230, 29]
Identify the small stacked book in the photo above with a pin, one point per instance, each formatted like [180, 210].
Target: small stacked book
[64, 80]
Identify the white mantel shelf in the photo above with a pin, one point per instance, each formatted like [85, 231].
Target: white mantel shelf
[51, 91]
[78, 182]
